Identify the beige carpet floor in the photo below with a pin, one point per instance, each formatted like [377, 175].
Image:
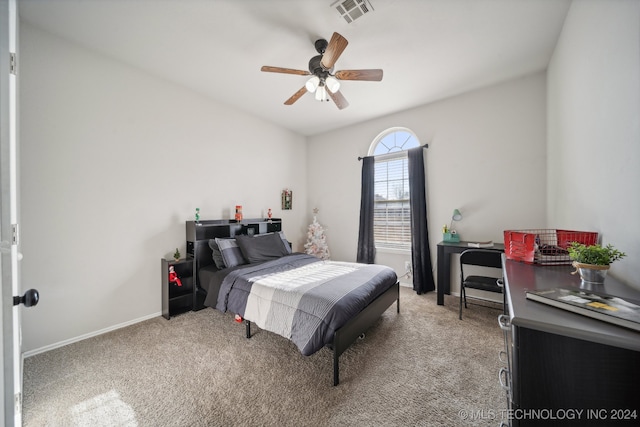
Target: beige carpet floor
[422, 367]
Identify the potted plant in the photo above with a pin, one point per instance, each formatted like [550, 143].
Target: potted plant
[593, 261]
[176, 255]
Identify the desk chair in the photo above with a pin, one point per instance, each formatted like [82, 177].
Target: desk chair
[484, 258]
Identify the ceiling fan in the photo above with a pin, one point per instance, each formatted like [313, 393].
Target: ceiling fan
[324, 82]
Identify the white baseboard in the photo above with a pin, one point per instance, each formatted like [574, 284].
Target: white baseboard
[89, 335]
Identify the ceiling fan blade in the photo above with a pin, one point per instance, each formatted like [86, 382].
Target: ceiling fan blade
[269, 69]
[367, 75]
[339, 100]
[296, 96]
[336, 46]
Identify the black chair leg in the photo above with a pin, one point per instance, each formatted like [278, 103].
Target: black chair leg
[464, 292]
[461, 293]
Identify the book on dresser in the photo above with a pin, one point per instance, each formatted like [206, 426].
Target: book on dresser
[607, 308]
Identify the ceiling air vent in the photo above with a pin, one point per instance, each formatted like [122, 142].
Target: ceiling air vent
[351, 10]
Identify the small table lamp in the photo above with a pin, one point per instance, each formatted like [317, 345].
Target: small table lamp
[457, 216]
[450, 235]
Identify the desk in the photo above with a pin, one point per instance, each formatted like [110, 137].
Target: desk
[562, 360]
[444, 264]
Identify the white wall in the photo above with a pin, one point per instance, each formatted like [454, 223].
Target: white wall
[594, 127]
[113, 161]
[486, 156]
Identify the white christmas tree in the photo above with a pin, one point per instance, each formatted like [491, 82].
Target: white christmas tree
[316, 240]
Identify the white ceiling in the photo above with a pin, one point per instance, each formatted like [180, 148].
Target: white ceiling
[428, 49]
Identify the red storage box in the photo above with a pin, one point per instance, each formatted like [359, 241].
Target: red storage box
[544, 246]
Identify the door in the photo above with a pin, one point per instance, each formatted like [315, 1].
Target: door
[11, 355]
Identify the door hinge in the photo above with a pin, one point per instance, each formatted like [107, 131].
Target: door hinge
[12, 63]
[14, 234]
[18, 401]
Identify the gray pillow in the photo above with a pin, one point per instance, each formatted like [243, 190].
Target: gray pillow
[287, 245]
[262, 247]
[216, 255]
[231, 253]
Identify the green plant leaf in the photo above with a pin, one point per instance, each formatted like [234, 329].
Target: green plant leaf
[594, 254]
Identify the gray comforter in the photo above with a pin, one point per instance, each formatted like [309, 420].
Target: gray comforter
[301, 297]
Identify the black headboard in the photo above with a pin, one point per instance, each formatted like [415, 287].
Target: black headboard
[199, 233]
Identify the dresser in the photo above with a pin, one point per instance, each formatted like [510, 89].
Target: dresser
[562, 368]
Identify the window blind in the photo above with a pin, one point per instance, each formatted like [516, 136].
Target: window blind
[392, 215]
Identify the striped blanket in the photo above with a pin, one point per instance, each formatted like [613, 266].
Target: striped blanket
[301, 297]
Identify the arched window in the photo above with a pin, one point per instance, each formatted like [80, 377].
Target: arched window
[392, 213]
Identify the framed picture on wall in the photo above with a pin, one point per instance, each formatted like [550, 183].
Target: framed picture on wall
[287, 199]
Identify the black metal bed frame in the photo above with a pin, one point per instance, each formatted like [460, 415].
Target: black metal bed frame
[357, 326]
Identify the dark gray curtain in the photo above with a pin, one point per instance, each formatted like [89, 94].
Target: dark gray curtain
[366, 245]
[420, 252]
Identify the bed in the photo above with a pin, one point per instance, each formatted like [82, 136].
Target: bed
[248, 269]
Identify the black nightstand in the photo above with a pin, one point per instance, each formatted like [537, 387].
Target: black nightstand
[177, 299]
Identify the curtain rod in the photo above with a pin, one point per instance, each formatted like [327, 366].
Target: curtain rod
[360, 158]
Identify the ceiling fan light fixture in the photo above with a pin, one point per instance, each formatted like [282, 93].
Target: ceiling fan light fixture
[312, 84]
[321, 94]
[321, 79]
[332, 84]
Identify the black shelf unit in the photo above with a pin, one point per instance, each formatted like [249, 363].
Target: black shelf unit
[177, 299]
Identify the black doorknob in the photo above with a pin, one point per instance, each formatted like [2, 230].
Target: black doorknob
[29, 299]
